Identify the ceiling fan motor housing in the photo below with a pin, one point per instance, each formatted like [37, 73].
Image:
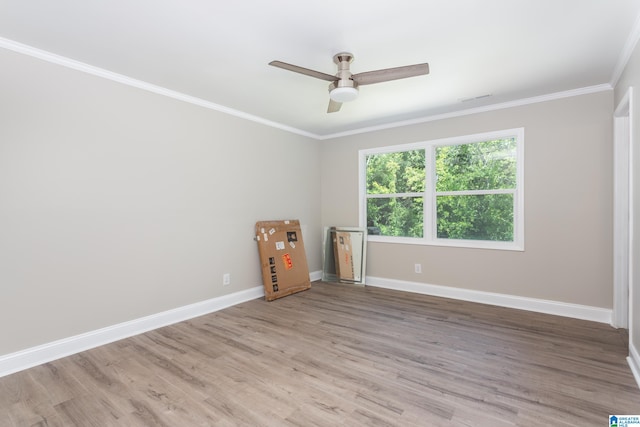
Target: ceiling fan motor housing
[344, 89]
[344, 73]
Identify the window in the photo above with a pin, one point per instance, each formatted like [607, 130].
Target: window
[465, 191]
[395, 192]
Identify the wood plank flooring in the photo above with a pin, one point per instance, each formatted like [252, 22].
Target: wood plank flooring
[339, 355]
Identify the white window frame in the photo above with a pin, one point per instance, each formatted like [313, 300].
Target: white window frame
[429, 196]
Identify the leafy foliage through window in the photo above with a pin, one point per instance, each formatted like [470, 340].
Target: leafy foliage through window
[463, 189]
[395, 186]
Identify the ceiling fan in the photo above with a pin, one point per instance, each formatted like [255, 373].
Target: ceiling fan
[344, 85]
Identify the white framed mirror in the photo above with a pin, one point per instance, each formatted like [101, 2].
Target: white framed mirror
[344, 255]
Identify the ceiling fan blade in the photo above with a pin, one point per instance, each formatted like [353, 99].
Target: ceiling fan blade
[379, 76]
[305, 71]
[334, 106]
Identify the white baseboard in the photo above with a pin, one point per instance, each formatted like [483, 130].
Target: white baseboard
[38, 355]
[634, 362]
[577, 311]
[315, 275]
[34, 356]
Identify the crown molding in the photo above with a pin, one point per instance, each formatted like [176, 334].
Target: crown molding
[484, 109]
[626, 52]
[121, 78]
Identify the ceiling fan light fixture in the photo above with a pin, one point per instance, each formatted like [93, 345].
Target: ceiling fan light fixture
[343, 94]
[344, 84]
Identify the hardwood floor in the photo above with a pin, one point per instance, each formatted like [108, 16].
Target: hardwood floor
[337, 355]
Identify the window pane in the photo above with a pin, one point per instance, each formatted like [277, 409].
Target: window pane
[400, 172]
[395, 216]
[477, 217]
[488, 165]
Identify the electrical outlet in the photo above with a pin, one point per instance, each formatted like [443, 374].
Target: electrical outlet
[226, 279]
[418, 268]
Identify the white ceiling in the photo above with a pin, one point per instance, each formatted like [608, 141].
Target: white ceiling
[218, 51]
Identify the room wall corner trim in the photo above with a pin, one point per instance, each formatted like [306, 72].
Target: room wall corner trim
[24, 359]
[634, 362]
[557, 308]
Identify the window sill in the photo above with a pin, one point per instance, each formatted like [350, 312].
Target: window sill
[469, 244]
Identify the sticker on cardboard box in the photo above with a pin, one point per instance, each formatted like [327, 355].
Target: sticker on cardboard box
[280, 246]
[273, 230]
[293, 245]
[286, 259]
[266, 238]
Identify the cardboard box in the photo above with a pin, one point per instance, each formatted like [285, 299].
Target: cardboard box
[343, 253]
[282, 258]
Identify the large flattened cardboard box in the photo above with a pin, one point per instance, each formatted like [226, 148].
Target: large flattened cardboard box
[282, 258]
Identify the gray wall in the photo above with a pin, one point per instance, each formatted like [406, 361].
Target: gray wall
[631, 78]
[116, 203]
[568, 204]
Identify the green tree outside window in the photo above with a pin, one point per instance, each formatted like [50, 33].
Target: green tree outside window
[474, 191]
